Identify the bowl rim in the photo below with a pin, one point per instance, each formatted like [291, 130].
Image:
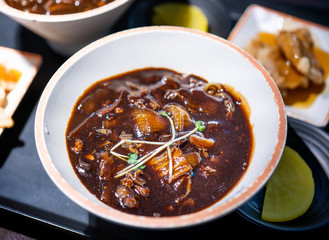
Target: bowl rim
[19, 14]
[151, 222]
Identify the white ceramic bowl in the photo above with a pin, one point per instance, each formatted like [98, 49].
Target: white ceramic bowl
[180, 49]
[70, 32]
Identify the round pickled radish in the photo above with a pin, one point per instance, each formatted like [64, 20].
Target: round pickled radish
[180, 14]
[290, 190]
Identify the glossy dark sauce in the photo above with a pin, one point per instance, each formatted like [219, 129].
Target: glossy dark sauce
[229, 156]
[56, 7]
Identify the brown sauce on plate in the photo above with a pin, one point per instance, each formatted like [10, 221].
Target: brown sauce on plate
[302, 97]
[150, 105]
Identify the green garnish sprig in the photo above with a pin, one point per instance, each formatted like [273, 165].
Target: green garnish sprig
[132, 158]
[201, 127]
[136, 162]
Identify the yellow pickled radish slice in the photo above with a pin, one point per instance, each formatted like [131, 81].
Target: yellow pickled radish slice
[180, 14]
[290, 190]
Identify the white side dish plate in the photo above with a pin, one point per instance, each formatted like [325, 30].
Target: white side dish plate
[27, 64]
[260, 19]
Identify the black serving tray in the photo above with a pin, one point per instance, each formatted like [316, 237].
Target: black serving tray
[318, 213]
[28, 195]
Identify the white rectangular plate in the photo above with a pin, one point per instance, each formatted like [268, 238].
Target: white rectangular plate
[260, 19]
[28, 64]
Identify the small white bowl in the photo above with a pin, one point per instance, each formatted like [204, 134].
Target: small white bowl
[260, 19]
[70, 32]
[186, 51]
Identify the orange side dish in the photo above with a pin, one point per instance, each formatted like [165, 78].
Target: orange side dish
[8, 81]
[298, 88]
[11, 75]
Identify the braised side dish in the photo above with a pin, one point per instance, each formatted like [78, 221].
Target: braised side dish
[155, 142]
[8, 81]
[291, 59]
[56, 7]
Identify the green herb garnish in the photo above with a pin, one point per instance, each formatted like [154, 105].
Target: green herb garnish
[139, 163]
[142, 167]
[201, 127]
[164, 114]
[132, 158]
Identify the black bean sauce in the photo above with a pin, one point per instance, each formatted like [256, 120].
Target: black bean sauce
[205, 165]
